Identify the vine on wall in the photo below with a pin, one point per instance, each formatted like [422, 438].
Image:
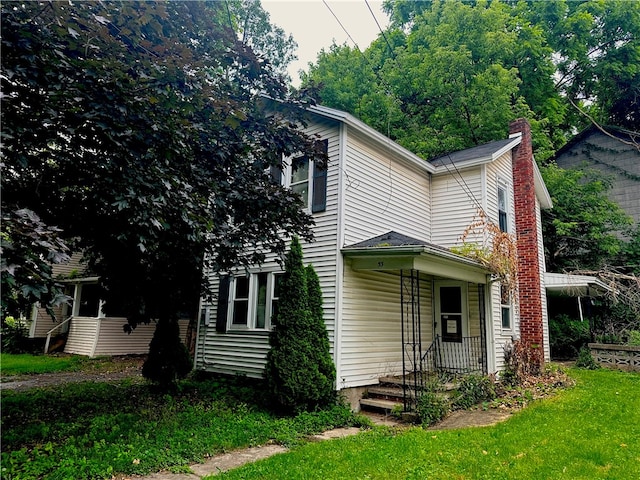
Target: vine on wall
[496, 250]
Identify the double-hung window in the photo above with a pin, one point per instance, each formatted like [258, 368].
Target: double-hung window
[306, 178]
[505, 307]
[252, 300]
[503, 217]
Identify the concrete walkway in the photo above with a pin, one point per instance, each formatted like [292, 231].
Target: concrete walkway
[237, 458]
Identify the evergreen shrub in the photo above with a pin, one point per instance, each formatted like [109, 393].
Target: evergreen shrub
[300, 373]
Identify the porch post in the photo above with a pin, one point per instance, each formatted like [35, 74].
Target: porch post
[483, 328]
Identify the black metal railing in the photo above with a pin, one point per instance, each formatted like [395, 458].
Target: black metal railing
[462, 357]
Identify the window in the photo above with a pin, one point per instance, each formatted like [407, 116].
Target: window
[299, 178]
[307, 179]
[254, 301]
[502, 208]
[505, 307]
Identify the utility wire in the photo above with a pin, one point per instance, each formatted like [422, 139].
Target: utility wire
[384, 35]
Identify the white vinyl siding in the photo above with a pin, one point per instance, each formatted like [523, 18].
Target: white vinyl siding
[543, 290]
[455, 204]
[245, 352]
[499, 172]
[371, 326]
[382, 193]
[104, 336]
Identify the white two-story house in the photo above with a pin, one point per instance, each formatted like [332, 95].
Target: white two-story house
[394, 293]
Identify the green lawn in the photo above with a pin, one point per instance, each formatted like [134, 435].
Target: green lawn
[95, 430]
[589, 432]
[26, 364]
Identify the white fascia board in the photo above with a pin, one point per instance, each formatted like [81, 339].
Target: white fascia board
[374, 135]
[541, 188]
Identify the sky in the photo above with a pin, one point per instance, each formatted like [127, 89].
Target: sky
[314, 27]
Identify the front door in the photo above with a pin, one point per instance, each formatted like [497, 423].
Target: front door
[452, 322]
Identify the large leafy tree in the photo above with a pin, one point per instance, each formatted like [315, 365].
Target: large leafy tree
[583, 229]
[141, 131]
[454, 72]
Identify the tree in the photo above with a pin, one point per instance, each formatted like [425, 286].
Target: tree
[251, 22]
[582, 230]
[299, 371]
[455, 72]
[141, 131]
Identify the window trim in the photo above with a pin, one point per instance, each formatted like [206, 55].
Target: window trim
[506, 306]
[503, 186]
[252, 310]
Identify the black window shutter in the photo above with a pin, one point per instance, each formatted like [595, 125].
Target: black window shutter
[319, 199]
[276, 174]
[223, 299]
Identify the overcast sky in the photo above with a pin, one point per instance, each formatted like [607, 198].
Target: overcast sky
[314, 27]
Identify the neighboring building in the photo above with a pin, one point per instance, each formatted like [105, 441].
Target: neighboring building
[393, 291]
[81, 328]
[617, 154]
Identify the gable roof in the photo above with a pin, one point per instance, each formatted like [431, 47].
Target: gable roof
[617, 132]
[372, 134]
[389, 239]
[476, 155]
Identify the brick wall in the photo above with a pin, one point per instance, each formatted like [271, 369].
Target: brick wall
[529, 284]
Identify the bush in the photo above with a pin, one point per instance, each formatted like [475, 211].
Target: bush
[15, 338]
[433, 405]
[521, 362]
[474, 389]
[634, 337]
[585, 360]
[168, 359]
[299, 371]
[567, 336]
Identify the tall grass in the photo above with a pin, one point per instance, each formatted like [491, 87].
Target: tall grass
[589, 432]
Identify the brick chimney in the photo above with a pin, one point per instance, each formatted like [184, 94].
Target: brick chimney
[529, 285]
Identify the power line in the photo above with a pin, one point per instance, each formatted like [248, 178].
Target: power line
[384, 35]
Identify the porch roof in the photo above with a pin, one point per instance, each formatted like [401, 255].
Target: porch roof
[394, 251]
[573, 285]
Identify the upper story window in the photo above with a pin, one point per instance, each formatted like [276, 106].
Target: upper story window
[503, 208]
[306, 178]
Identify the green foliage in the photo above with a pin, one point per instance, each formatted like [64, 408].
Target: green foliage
[580, 231]
[433, 404]
[474, 389]
[633, 338]
[161, 111]
[168, 359]
[585, 360]
[87, 431]
[567, 336]
[299, 371]
[14, 336]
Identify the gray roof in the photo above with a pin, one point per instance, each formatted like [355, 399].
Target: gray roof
[389, 239]
[481, 151]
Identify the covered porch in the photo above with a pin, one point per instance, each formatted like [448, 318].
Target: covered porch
[440, 306]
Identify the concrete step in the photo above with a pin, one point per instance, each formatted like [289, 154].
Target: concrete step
[388, 393]
[397, 382]
[377, 404]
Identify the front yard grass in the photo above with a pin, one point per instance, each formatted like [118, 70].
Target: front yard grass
[591, 431]
[96, 430]
[27, 364]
